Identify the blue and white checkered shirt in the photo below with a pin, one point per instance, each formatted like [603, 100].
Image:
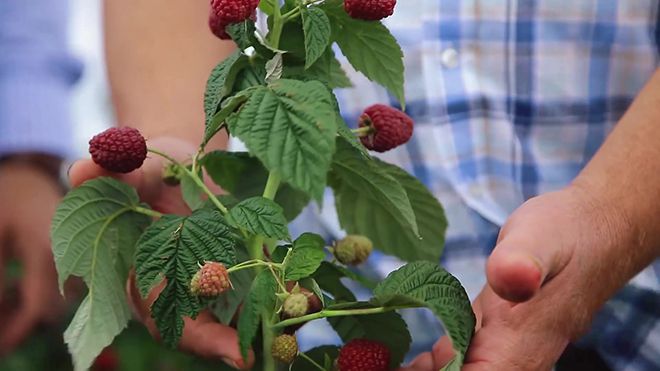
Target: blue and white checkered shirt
[511, 99]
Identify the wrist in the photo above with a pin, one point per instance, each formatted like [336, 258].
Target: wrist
[48, 165]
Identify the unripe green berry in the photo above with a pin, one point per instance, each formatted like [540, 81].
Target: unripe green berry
[353, 250]
[285, 348]
[296, 305]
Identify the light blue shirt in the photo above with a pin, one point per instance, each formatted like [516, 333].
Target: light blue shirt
[36, 76]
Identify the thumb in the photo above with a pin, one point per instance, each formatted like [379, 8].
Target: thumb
[529, 252]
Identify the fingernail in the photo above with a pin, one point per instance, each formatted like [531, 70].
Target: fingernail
[230, 362]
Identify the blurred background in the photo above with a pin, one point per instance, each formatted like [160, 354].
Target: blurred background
[91, 113]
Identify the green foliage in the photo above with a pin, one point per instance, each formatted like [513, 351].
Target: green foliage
[173, 248]
[426, 284]
[191, 192]
[290, 126]
[260, 300]
[305, 257]
[94, 232]
[316, 26]
[321, 355]
[388, 328]
[260, 216]
[328, 276]
[369, 47]
[219, 85]
[244, 176]
[242, 33]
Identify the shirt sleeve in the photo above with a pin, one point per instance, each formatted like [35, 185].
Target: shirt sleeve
[37, 73]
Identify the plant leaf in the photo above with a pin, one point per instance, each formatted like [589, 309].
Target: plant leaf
[93, 234]
[217, 87]
[261, 216]
[290, 126]
[369, 47]
[316, 26]
[173, 248]
[190, 192]
[274, 68]
[372, 203]
[242, 33]
[328, 276]
[387, 328]
[244, 176]
[427, 284]
[218, 120]
[305, 258]
[260, 299]
[327, 69]
[429, 214]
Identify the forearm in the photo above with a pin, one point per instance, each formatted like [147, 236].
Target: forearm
[159, 55]
[623, 182]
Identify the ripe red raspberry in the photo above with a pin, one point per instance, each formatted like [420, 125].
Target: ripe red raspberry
[285, 348]
[120, 150]
[226, 12]
[108, 360]
[364, 355]
[370, 10]
[211, 280]
[390, 128]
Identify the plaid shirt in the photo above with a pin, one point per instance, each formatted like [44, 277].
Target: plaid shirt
[511, 99]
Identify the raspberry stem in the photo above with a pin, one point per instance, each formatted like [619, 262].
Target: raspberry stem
[148, 212]
[338, 313]
[308, 359]
[363, 131]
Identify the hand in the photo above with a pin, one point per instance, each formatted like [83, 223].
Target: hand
[202, 336]
[28, 198]
[548, 275]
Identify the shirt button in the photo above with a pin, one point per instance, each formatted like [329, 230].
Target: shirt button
[449, 58]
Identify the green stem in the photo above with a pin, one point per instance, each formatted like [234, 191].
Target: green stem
[272, 185]
[163, 155]
[206, 190]
[148, 212]
[268, 336]
[363, 131]
[336, 313]
[252, 264]
[306, 357]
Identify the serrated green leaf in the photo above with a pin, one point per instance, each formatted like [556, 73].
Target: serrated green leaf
[268, 6]
[217, 87]
[327, 69]
[345, 132]
[387, 328]
[173, 248]
[242, 33]
[429, 214]
[260, 216]
[316, 26]
[329, 279]
[260, 299]
[427, 284]
[93, 235]
[244, 176]
[305, 258]
[372, 203]
[218, 120]
[290, 126]
[319, 355]
[369, 47]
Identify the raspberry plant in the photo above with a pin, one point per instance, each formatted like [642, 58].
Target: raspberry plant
[275, 93]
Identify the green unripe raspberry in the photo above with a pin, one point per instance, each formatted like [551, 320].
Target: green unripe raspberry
[353, 250]
[285, 348]
[296, 305]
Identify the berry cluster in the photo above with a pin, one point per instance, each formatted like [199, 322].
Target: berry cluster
[388, 128]
[226, 12]
[120, 150]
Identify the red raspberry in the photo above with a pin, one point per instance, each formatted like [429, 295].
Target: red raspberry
[108, 360]
[390, 128]
[370, 10]
[211, 280]
[226, 12]
[364, 355]
[120, 150]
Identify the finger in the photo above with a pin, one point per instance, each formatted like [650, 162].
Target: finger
[527, 255]
[84, 170]
[422, 362]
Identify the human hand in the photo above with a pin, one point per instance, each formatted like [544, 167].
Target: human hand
[28, 198]
[549, 273]
[203, 336]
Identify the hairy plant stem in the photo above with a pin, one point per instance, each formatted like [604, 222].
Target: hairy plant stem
[148, 212]
[363, 131]
[252, 264]
[336, 313]
[195, 177]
